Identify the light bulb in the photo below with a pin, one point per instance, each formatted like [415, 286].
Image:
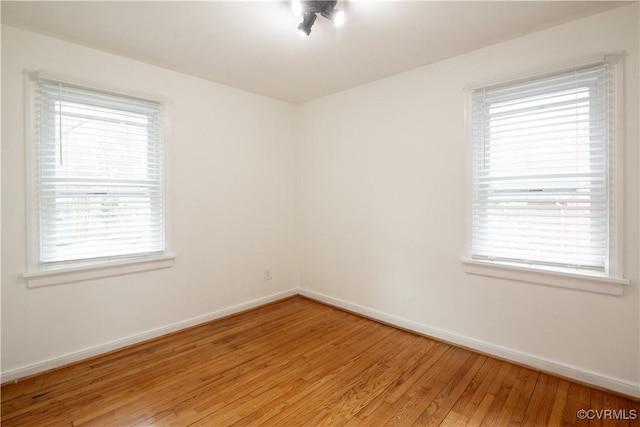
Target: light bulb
[296, 7]
[338, 18]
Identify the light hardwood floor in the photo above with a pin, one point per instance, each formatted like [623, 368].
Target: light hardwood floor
[298, 362]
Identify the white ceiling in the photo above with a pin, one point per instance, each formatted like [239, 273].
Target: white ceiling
[255, 46]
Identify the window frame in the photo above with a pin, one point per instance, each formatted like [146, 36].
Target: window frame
[611, 281]
[40, 274]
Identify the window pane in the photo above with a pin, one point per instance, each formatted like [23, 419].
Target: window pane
[540, 171]
[100, 181]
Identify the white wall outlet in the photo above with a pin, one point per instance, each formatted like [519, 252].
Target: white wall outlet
[267, 274]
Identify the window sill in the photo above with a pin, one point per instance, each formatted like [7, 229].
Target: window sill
[104, 269]
[583, 282]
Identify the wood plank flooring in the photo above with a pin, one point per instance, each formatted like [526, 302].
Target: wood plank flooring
[301, 363]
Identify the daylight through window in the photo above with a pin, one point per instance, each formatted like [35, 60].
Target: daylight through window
[99, 174]
[543, 171]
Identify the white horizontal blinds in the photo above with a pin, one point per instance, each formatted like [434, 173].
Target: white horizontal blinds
[100, 173]
[541, 166]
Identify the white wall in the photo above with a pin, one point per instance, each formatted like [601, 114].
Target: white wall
[384, 211]
[232, 158]
[376, 179]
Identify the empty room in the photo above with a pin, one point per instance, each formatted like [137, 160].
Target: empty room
[320, 213]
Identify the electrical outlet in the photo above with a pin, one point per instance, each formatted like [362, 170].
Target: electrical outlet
[267, 274]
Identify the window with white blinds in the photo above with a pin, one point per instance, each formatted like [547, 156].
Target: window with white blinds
[543, 171]
[98, 174]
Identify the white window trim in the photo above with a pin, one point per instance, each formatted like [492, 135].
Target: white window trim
[38, 275]
[612, 284]
[96, 270]
[562, 279]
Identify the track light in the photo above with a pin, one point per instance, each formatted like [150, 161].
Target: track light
[310, 9]
[307, 23]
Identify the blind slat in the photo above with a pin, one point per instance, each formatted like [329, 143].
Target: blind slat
[541, 168]
[99, 173]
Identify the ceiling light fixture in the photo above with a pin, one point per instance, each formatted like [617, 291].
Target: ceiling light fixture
[309, 10]
[307, 23]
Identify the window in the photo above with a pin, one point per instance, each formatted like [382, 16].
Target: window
[544, 178]
[97, 176]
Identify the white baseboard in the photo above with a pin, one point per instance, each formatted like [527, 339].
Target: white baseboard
[532, 361]
[481, 346]
[138, 338]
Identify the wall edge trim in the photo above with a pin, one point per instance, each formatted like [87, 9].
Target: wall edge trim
[98, 350]
[504, 353]
[522, 358]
